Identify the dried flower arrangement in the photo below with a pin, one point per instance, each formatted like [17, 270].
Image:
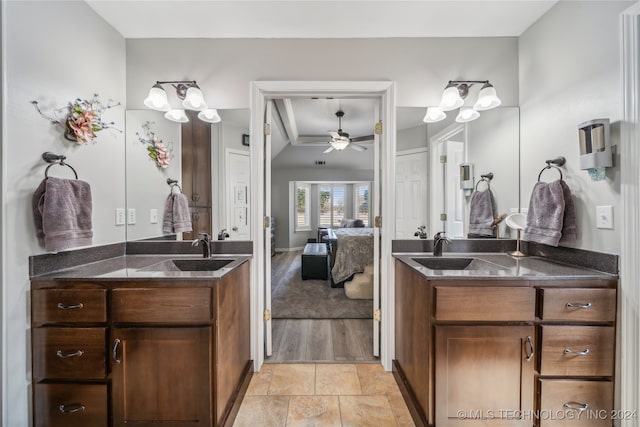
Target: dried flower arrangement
[82, 118]
[157, 150]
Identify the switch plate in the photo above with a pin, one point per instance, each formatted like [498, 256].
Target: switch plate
[131, 216]
[120, 216]
[153, 216]
[604, 217]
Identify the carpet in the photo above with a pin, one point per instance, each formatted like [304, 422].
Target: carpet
[294, 298]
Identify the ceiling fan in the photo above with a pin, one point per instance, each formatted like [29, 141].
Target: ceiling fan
[339, 139]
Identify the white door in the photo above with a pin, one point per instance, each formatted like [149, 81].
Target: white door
[411, 187]
[237, 194]
[268, 347]
[454, 197]
[377, 203]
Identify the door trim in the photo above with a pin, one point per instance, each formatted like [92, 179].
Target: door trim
[260, 91]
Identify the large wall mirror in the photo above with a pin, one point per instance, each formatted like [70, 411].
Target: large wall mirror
[428, 170]
[221, 170]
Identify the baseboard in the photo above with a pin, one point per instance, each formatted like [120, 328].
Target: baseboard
[416, 413]
[238, 395]
[289, 249]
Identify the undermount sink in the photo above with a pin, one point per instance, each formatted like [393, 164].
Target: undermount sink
[438, 263]
[204, 264]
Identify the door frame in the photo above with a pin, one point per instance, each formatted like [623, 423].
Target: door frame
[260, 92]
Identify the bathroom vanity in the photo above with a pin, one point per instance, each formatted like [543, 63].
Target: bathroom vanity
[141, 340]
[504, 342]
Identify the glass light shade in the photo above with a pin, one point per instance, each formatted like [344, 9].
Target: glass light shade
[434, 114]
[194, 99]
[157, 99]
[487, 98]
[467, 114]
[451, 98]
[176, 116]
[209, 115]
[339, 144]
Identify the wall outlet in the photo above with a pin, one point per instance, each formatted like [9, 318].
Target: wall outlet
[604, 217]
[131, 216]
[153, 216]
[120, 216]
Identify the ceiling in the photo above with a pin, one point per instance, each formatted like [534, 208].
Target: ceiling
[319, 18]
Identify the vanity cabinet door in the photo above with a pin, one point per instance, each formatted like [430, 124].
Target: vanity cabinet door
[484, 375]
[161, 376]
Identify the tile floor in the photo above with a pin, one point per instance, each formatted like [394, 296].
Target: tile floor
[323, 395]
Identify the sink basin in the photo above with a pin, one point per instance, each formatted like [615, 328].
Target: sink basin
[203, 264]
[438, 263]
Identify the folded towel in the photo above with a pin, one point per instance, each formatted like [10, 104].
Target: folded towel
[62, 213]
[181, 214]
[482, 211]
[167, 222]
[551, 217]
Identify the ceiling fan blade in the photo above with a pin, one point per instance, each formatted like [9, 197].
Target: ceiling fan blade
[334, 134]
[357, 147]
[368, 138]
[328, 150]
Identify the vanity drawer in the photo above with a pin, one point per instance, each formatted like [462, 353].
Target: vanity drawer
[485, 303]
[584, 305]
[69, 353]
[577, 350]
[558, 397]
[68, 306]
[162, 305]
[70, 405]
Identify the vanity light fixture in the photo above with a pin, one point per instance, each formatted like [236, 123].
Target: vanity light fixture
[453, 97]
[191, 96]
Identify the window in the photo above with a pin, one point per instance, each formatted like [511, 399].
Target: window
[331, 205]
[361, 201]
[302, 212]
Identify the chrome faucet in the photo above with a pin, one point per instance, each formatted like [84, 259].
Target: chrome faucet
[205, 241]
[438, 240]
[223, 234]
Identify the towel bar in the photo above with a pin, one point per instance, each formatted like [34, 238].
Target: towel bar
[553, 163]
[56, 159]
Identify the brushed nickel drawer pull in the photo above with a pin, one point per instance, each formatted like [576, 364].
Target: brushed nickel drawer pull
[62, 355]
[577, 353]
[529, 342]
[62, 306]
[116, 343]
[580, 305]
[576, 406]
[71, 408]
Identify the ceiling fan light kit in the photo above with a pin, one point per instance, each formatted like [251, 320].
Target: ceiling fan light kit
[454, 95]
[339, 139]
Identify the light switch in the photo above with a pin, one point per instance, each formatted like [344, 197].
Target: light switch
[120, 216]
[131, 216]
[153, 216]
[604, 217]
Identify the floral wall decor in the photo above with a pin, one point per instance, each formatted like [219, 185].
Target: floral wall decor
[157, 150]
[81, 119]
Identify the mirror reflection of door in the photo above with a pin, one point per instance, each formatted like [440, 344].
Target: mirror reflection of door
[237, 194]
[411, 188]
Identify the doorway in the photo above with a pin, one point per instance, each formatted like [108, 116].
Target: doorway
[262, 93]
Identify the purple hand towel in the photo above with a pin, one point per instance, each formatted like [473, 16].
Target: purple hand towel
[181, 214]
[62, 213]
[482, 211]
[167, 222]
[550, 207]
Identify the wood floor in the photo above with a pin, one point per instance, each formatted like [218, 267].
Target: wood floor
[318, 340]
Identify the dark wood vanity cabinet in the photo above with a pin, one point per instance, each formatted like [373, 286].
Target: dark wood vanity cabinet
[505, 352]
[163, 353]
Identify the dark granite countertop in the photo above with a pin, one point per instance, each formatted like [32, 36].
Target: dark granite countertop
[142, 267]
[501, 266]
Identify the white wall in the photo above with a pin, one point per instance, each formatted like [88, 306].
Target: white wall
[147, 183]
[412, 138]
[55, 52]
[224, 67]
[570, 73]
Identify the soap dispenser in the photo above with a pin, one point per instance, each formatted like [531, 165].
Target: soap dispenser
[595, 147]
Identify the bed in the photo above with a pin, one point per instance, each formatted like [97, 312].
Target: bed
[351, 249]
